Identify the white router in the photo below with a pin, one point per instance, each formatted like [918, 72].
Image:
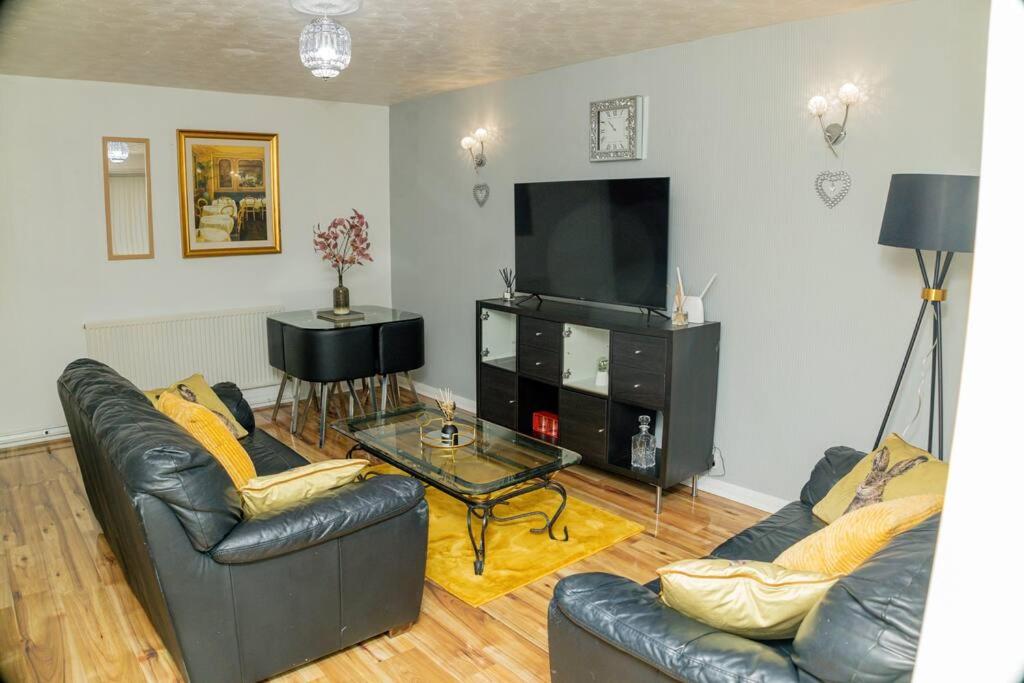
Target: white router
[693, 306]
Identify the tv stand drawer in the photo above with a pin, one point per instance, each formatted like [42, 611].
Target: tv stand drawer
[497, 396]
[540, 363]
[542, 334]
[639, 351]
[582, 425]
[638, 387]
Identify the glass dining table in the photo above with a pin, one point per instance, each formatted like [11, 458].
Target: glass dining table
[309, 320]
[372, 315]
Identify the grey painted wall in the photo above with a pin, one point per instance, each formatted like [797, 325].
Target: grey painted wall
[815, 314]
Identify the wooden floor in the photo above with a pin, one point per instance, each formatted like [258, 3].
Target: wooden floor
[66, 612]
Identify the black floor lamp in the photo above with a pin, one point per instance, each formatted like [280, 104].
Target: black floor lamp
[929, 213]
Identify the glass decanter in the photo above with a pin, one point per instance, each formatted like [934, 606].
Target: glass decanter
[643, 446]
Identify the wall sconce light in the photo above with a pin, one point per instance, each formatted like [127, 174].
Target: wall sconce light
[470, 142]
[818, 105]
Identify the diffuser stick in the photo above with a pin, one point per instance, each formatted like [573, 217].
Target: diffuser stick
[708, 285]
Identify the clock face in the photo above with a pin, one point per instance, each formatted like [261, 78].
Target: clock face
[613, 130]
[618, 129]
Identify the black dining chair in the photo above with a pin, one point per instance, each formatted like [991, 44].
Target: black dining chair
[326, 357]
[399, 350]
[275, 352]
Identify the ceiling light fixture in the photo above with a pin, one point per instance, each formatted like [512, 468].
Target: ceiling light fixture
[117, 152]
[325, 47]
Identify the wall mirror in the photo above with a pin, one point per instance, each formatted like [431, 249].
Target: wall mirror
[128, 198]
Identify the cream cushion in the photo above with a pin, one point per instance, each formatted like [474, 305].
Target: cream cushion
[273, 492]
[751, 599]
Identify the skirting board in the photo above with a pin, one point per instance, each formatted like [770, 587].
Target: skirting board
[434, 392]
[740, 494]
[257, 397]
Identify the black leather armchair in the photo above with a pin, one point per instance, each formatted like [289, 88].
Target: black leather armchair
[239, 599]
[603, 627]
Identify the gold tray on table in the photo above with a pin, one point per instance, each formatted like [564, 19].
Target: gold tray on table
[430, 433]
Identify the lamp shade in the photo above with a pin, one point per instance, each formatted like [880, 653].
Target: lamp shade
[931, 212]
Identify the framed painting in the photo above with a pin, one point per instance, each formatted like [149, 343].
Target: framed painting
[228, 188]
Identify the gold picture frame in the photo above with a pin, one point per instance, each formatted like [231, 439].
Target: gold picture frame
[224, 213]
[115, 252]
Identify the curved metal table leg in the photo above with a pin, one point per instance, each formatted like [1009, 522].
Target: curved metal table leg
[549, 520]
[479, 551]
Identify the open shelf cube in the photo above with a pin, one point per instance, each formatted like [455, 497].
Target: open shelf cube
[498, 339]
[623, 423]
[583, 349]
[535, 396]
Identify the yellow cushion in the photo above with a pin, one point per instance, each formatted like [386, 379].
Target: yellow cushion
[276, 491]
[196, 389]
[846, 543]
[895, 470]
[752, 599]
[210, 431]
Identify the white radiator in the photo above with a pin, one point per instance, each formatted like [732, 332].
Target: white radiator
[153, 352]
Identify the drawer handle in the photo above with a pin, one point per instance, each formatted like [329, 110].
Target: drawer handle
[537, 334]
[512, 402]
[636, 352]
[636, 386]
[601, 430]
[538, 364]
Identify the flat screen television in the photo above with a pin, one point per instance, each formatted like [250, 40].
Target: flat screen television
[594, 240]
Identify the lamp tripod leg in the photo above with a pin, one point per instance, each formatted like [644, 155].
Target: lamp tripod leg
[938, 362]
[903, 370]
[935, 359]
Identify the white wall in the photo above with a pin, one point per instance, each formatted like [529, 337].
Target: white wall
[54, 274]
[971, 610]
[815, 315]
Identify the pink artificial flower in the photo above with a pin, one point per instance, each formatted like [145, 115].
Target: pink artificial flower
[344, 242]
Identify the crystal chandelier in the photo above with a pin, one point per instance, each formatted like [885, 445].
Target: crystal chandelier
[325, 47]
[117, 152]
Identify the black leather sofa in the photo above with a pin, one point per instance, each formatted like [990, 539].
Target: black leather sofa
[239, 599]
[603, 627]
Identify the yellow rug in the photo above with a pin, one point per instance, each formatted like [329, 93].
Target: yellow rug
[515, 557]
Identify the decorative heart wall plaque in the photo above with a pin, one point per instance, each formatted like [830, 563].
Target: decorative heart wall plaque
[481, 193]
[832, 187]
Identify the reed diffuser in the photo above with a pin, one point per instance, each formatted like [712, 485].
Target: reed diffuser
[509, 278]
[446, 404]
[679, 318]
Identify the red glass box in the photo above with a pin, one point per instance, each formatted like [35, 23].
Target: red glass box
[545, 423]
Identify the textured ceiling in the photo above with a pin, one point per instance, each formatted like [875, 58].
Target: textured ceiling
[402, 49]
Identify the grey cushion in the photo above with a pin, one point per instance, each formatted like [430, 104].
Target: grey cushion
[768, 538]
[231, 396]
[270, 456]
[867, 626]
[836, 464]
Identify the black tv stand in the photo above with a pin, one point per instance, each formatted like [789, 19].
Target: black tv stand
[546, 358]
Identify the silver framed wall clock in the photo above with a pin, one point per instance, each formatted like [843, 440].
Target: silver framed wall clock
[618, 129]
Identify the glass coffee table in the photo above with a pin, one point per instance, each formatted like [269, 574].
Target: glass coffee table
[488, 467]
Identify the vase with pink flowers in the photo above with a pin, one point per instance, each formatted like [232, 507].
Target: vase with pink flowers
[343, 243]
